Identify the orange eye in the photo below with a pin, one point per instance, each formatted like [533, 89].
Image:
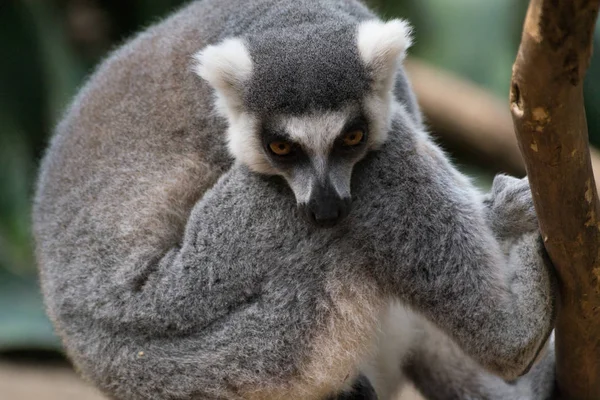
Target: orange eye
[353, 138]
[280, 148]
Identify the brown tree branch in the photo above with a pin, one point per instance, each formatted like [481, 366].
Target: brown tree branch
[549, 117]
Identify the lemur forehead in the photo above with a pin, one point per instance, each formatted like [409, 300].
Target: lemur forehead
[312, 68]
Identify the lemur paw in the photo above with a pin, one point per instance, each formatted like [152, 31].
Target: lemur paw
[510, 208]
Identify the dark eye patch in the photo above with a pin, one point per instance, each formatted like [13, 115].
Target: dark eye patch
[357, 123]
[269, 135]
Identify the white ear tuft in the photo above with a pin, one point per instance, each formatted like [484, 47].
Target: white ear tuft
[226, 67]
[382, 45]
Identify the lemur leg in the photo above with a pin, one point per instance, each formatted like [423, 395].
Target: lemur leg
[441, 371]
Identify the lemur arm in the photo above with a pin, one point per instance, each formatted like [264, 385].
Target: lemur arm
[436, 365]
[521, 308]
[492, 293]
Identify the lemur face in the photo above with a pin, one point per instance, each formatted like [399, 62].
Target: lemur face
[308, 105]
[315, 153]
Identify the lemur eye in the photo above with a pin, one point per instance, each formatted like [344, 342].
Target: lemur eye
[353, 138]
[280, 147]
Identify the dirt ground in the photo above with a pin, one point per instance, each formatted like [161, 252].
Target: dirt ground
[30, 382]
[27, 382]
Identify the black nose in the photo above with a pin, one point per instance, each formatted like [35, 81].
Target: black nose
[325, 208]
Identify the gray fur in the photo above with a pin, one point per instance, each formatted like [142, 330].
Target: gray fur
[441, 371]
[340, 75]
[166, 285]
[311, 39]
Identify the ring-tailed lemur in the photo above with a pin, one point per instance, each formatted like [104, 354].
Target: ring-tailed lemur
[166, 285]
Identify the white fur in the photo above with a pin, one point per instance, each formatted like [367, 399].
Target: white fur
[226, 67]
[302, 187]
[382, 45]
[316, 132]
[379, 109]
[399, 330]
[243, 141]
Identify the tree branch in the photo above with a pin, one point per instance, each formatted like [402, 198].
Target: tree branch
[549, 117]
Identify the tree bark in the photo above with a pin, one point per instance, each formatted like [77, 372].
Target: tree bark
[547, 107]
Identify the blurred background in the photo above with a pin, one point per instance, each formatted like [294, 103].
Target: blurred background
[460, 65]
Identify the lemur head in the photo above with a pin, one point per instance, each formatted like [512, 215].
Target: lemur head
[308, 104]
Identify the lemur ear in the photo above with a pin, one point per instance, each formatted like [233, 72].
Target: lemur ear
[382, 45]
[226, 67]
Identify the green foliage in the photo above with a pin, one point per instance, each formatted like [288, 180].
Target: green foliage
[50, 46]
[44, 66]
